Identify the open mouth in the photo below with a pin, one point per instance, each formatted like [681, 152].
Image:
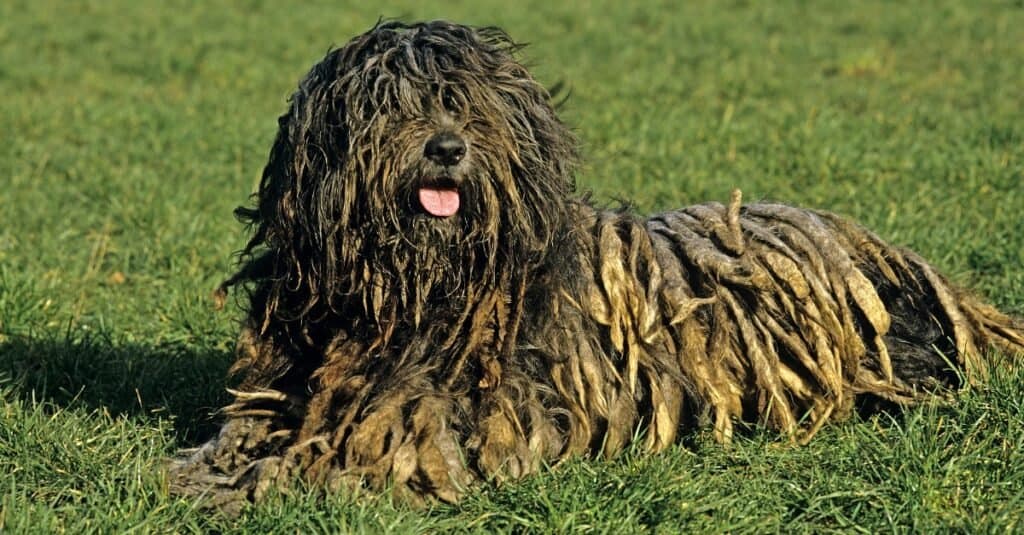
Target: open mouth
[439, 197]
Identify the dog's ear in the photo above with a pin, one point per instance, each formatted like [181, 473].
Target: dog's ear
[283, 222]
[545, 160]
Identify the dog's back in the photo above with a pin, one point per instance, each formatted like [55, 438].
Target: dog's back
[782, 316]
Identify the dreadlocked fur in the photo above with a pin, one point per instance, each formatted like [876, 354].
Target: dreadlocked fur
[389, 343]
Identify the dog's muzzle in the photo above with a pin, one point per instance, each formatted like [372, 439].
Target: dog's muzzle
[440, 197]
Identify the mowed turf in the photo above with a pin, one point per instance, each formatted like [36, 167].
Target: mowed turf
[130, 131]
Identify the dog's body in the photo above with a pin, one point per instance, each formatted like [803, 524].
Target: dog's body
[430, 306]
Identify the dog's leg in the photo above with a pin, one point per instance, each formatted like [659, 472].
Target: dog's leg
[244, 459]
[515, 432]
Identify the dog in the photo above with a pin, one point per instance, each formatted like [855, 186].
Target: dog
[430, 304]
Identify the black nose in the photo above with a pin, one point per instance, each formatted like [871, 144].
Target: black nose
[445, 148]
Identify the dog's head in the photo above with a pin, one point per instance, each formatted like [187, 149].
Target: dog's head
[413, 163]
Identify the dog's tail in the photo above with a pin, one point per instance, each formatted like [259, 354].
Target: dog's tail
[935, 328]
[993, 329]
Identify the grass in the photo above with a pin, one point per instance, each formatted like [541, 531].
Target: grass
[132, 129]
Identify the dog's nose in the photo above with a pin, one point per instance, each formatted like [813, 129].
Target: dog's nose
[445, 148]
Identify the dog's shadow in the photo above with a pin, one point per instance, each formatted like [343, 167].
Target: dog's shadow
[177, 381]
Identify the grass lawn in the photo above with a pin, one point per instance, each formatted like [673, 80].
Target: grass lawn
[130, 130]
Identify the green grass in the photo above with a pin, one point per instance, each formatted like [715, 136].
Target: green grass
[130, 131]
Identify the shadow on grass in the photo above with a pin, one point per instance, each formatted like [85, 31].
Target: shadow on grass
[174, 381]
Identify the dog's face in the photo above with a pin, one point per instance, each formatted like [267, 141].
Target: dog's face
[458, 126]
[423, 155]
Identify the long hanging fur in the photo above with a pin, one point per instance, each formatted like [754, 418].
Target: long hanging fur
[386, 346]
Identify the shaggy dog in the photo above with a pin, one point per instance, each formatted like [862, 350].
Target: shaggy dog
[429, 305]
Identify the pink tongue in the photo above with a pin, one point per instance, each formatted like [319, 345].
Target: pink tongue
[439, 202]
